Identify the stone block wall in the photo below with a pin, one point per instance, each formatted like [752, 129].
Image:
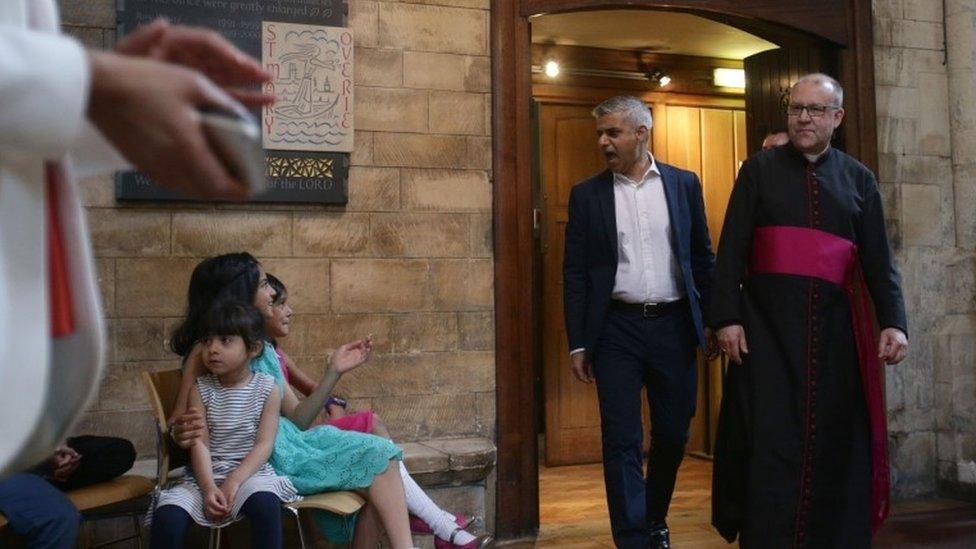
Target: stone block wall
[925, 105]
[408, 259]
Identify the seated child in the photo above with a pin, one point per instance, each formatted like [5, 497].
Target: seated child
[230, 474]
[426, 517]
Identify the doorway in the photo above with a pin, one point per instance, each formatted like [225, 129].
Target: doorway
[840, 24]
[578, 60]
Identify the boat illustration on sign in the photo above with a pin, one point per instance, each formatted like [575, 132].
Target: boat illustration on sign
[312, 68]
[307, 101]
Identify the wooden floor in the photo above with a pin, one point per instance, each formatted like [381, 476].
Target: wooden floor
[573, 514]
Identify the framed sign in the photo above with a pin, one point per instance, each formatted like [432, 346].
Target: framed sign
[308, 133]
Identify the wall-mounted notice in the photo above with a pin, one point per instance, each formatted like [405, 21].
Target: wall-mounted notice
[312, 69]
[308, 133]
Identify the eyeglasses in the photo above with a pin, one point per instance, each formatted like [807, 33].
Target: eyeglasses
[815, 111]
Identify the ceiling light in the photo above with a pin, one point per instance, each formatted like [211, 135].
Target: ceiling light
[552, 68]
[729, 78]
[659, 76]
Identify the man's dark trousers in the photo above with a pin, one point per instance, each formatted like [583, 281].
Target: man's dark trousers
[656, 353]
[39, 512]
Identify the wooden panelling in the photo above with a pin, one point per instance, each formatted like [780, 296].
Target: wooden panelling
[718, 165]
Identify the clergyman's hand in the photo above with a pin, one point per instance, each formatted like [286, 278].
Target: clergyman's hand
[582, 368]
[892, 345]
[732, 340]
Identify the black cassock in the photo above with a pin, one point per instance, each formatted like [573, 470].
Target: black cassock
[792, 459]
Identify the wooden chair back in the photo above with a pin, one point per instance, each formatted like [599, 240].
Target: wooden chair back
[163, 387]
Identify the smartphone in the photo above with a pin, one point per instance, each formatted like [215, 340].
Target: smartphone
[236, 138]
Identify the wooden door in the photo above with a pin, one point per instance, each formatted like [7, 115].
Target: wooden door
[712, 143]
[568, 154]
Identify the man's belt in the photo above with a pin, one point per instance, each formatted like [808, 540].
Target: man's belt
[648, 310]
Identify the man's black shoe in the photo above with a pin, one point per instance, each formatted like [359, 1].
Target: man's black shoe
[660, 538]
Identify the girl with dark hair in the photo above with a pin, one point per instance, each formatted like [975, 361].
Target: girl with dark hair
[230, 477]
[426, 517]
[314, 460]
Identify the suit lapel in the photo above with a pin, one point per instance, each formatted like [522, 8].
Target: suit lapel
[605, 195]
[669, 179]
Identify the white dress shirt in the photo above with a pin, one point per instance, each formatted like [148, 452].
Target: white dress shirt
[647, 271]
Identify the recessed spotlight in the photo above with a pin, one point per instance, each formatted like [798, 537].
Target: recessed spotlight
[659, 76]
[552, 68]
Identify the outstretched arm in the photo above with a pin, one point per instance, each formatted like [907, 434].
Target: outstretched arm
[344, 359]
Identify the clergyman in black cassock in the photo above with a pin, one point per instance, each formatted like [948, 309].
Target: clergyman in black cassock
[793, 457]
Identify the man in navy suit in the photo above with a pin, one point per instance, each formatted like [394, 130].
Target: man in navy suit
[637, 270]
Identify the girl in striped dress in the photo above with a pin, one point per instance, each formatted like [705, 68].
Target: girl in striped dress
[230, 474]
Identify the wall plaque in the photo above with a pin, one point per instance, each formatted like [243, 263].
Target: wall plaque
[308, 133]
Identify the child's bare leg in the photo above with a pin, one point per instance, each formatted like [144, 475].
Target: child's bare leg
[386, 495]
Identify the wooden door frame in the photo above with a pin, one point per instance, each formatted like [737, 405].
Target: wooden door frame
[845, 24]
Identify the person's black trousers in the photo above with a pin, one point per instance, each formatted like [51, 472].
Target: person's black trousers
[656, 353]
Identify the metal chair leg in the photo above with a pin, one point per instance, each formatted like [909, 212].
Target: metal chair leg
[298, 524]
[215, 538]
[138, 527]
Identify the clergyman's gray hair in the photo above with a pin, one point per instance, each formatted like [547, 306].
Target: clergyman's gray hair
[633, 108]
[827, 81]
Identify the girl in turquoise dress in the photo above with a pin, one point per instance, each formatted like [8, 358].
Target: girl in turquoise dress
[316, 460]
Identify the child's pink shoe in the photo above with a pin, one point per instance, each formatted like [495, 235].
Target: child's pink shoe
[479, 542]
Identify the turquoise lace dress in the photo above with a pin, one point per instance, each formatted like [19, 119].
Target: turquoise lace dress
[323, 458]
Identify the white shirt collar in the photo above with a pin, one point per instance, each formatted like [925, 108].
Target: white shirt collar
[814, 157]
[651, 169]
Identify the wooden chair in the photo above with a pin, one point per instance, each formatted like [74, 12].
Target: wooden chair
[163, 388]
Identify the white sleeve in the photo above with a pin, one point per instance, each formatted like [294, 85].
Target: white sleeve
[44, 85]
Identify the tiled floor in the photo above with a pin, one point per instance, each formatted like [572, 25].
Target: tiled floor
[573, 515]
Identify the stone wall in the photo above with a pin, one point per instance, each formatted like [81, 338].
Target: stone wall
[926, 118]
[409, 259]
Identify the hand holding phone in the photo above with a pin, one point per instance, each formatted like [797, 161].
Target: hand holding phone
[236, 138]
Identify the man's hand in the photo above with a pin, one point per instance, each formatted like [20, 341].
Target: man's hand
[187, 427]
[203, 50]
[582, 368]
[149, 111]
[732, 340]
[892, 346]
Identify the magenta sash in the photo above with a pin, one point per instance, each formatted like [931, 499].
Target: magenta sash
[818, 254]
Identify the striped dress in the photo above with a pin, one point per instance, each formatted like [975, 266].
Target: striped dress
[233, 415]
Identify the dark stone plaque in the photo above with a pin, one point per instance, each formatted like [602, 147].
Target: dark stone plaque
[293, 176]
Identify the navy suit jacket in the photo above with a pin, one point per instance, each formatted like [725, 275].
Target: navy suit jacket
[590, 261]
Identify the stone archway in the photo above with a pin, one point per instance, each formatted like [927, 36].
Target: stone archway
[845, 24]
